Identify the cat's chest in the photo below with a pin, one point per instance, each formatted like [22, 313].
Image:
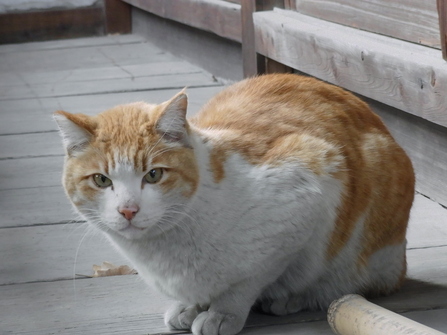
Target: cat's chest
[254, 215]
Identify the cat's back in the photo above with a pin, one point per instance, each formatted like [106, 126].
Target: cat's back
[268, 118]
[283, 103]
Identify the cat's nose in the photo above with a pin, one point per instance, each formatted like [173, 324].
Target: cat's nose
[129, 212]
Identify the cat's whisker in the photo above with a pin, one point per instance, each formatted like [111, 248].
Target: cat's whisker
[173, 220]
[76, 260]
[160, 152]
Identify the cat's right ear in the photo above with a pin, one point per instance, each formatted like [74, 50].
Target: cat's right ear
[76, 130]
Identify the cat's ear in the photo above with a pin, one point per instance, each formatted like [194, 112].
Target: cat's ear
[172, 124]
[76, 129]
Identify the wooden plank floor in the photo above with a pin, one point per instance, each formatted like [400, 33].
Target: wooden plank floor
[46, 253]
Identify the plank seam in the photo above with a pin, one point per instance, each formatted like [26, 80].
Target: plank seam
[45, 224]
[30, 156]
[31, 132]
[216, 83]
[69, 47]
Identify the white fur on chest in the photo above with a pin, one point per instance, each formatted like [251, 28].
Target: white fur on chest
[253, 223]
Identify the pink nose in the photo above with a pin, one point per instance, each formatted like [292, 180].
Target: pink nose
[129, 212]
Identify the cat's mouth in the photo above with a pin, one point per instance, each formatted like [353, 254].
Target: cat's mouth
[131, 231]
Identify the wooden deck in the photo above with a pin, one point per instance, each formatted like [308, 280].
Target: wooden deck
[46, 255]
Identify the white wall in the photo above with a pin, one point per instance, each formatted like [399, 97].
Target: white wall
[7, 6]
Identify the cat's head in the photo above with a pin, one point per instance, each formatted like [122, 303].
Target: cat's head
[130, 170]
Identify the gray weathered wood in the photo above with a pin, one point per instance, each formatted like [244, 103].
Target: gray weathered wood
[250, 57]
[98, 73]
[433, 318]
[428, 224]
[96, 306]
[31, 145]
[30, 172]
[109, 305]
[117, 85]
[410, 20]
[52, 252]
[428, 264]
[219, 17]
[35, 206]
[35, 115]
[220, 56]
[87, 57]
[398, 73]
[73, 43]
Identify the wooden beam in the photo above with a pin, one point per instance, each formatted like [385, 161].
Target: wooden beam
[410, 20]
[48, 25]
[117, 17]
[442, 12]
[404, 75]
[219, 17]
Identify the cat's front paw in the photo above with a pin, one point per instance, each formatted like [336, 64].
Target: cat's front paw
[214, 323]
[180, 316]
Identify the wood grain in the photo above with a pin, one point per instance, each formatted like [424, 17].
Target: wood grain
[35, 115]
[428, 224]
[108, 305]
[89, 57]
[30, 172]
[401, 74]
[53, 252]
[31, 145]
[117, 85]
[219, 17]
[35, 206]
[124, 40]
[410, 20]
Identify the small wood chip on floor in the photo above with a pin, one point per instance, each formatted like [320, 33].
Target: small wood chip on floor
[108, 269]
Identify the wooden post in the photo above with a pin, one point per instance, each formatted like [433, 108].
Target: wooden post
[442, 11]
[117, 17]
[254, 63]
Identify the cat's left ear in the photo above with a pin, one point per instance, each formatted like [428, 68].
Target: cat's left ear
[172, 124]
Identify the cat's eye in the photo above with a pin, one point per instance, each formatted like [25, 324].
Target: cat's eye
[154, 176]
[101, 180]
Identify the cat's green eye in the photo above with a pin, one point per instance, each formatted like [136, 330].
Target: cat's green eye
[101, 180]
[154, 176]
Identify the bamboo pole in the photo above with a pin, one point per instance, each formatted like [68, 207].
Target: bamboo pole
[354, 315]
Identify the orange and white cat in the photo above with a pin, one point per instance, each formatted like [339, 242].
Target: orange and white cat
[283, 191]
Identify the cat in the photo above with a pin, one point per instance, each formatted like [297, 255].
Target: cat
[283, 193]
